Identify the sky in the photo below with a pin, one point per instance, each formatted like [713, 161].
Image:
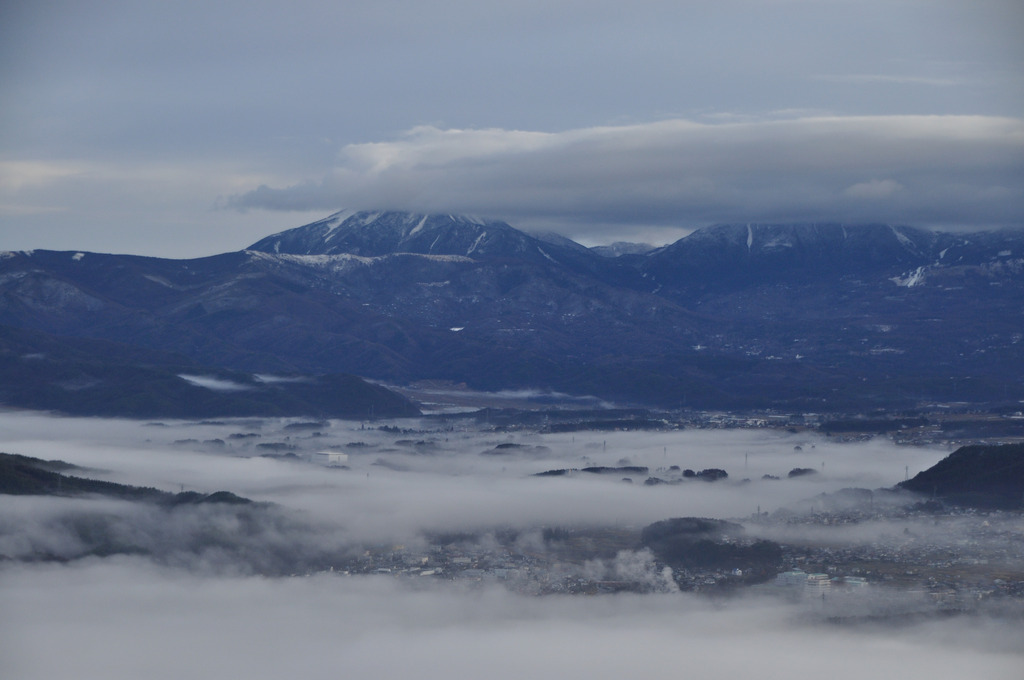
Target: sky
[189, 129]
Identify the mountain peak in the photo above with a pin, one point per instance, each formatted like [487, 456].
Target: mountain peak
[376, 233]
[379, 233]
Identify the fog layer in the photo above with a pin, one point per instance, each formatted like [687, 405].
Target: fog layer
[187, 601]
[126, 619]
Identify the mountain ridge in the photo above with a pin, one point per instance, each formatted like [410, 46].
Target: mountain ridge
[733, 316]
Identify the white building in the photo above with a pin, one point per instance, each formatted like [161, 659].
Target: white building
[817, 585]
[331, 458]
[794, 578]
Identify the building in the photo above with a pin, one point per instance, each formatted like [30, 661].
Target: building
[817, 585]
[794, 578]
[331, 458]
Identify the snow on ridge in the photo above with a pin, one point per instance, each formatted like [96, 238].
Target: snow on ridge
[309, 259]
[348, 258]
[432, 257]
[428, 256]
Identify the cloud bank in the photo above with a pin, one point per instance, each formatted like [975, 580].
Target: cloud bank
[187, 604]
[401, 485]
[944, 171]
[127, 619]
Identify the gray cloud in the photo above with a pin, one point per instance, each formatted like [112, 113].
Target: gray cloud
[124, 124]
[953, 171]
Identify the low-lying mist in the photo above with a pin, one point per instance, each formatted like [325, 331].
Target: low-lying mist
[129, 589]
[124, 618]
[395, 485]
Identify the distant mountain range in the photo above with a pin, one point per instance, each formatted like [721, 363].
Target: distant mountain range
[819, 317]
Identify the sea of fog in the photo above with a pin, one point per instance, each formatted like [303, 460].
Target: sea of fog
[190, 614]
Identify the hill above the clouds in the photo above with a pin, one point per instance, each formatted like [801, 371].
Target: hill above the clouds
[975, 476]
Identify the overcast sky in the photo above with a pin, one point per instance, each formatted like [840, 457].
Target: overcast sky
[186, 129]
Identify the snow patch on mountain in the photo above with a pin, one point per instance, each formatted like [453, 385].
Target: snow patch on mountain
[476, 243]
[914, 278]
[902, 238]
[160, 280]
[308, 260]
[777, 243]
[419, 226]
[338, 218]
[271, 379]
[212, 383]
[328, 261]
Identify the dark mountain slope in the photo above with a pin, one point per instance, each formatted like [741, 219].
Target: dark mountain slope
[398, 317]
[819, 317]
[24, 475]
[976, 476]
[739, 255]
[100, 378]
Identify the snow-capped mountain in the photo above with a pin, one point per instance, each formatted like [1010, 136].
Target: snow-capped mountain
[382, 233]
[820, 316]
